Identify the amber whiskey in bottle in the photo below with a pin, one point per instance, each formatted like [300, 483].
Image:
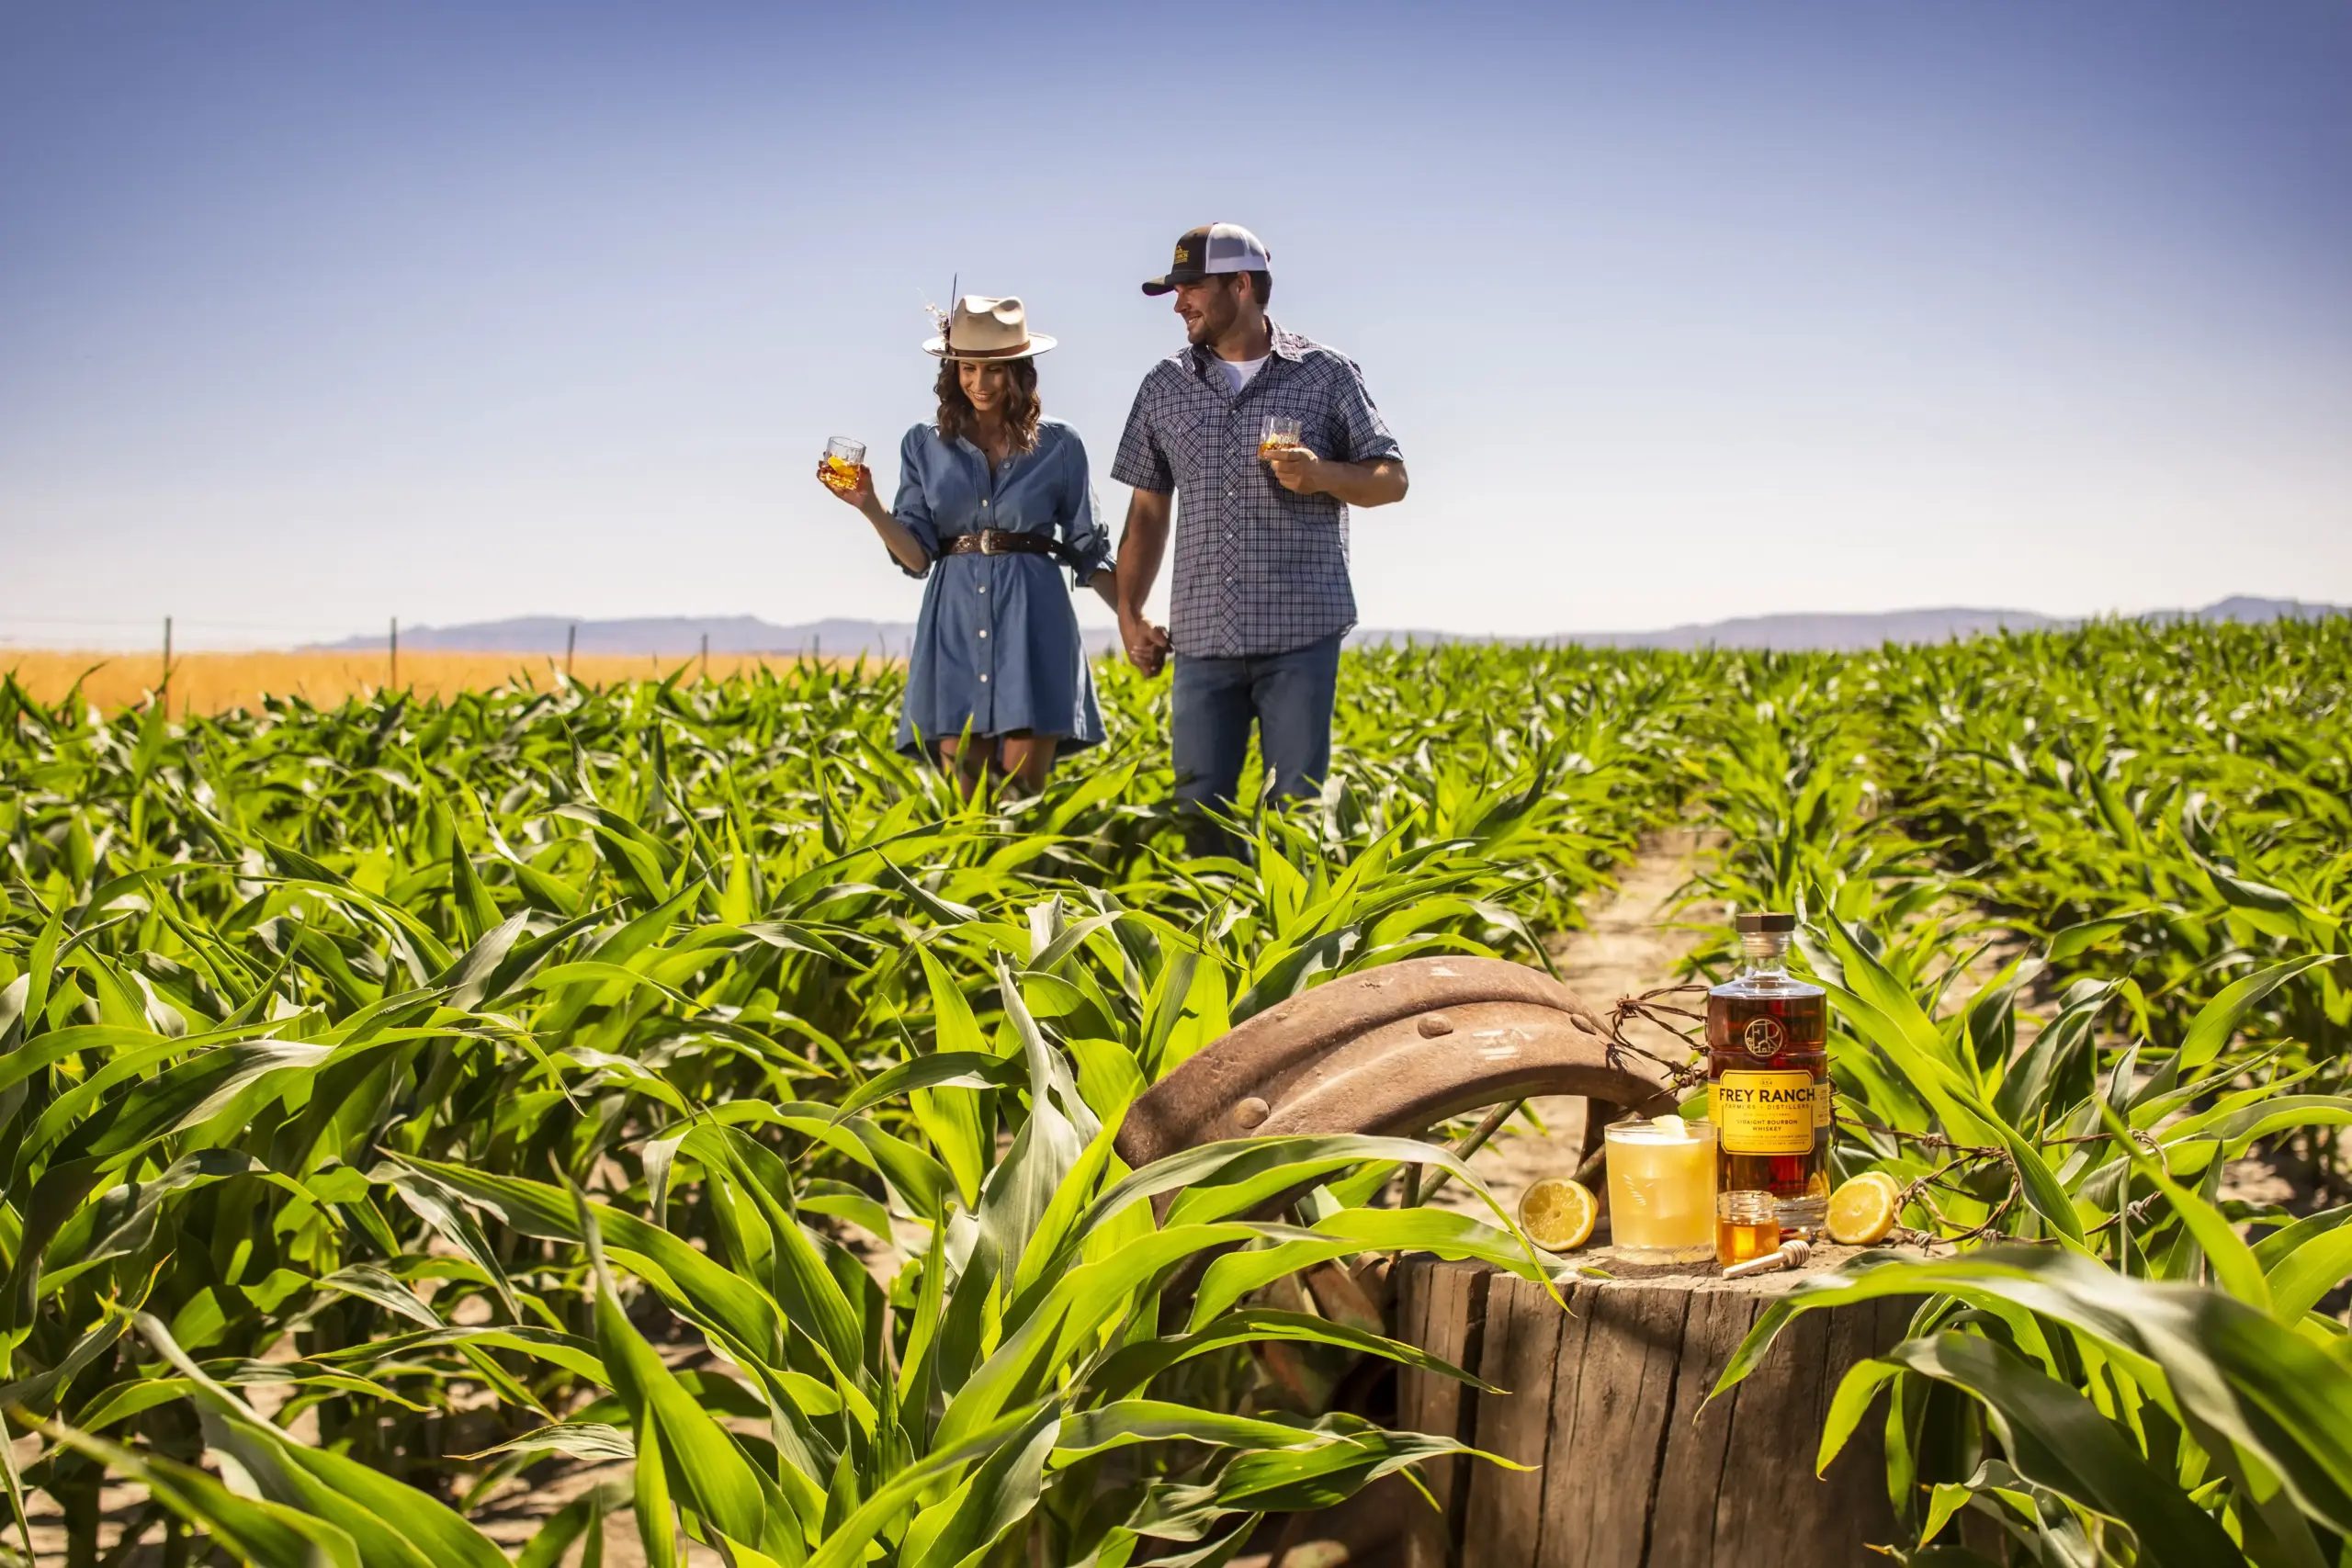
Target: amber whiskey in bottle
[1768, 1077]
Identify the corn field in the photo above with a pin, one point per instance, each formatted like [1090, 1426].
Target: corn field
[410, 1103]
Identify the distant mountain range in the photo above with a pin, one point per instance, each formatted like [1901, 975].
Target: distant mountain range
[682, 635]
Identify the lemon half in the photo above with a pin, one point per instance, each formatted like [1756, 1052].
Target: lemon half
[1558, 1213]
[1862, 1211]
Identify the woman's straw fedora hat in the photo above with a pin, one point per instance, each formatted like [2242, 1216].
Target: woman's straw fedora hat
[983, 328]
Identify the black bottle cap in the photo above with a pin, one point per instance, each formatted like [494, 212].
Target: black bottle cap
[1760, 921]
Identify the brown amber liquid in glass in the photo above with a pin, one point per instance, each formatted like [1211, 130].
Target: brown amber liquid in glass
[1800, 1011]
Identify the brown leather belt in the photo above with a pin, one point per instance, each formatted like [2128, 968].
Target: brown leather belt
[998, 542]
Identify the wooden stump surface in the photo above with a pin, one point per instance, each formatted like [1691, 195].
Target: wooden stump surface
[1604, 1404]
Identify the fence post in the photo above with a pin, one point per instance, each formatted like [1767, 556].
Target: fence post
[165, 691]
[396, 654]
[570, 640]
[705, 656]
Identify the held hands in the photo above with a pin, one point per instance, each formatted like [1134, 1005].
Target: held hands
[1296, 469]
[1147, 645]
[860, 495]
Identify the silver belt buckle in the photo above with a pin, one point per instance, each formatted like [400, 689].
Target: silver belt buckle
[988, 544]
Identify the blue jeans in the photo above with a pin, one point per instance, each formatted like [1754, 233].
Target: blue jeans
[1289, 694]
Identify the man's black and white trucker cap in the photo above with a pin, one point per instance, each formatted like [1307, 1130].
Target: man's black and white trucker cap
[1213, 248]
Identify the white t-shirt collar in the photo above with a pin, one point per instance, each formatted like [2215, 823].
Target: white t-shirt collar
[1239, 373]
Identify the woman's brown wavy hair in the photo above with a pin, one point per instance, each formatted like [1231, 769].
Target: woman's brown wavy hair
[1021, 408]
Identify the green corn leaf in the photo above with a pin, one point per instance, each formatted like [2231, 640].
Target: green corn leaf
[1286, 1480]
[1857, 1391]
[269, 1535]
[436, 1204]
[1133, 1366]
[2072, 941]
[2274, 1249]
[2039, 1088]
[1884, 1013]
[1351, 1230]
[389, 1523]
[2220, 1018]
[1078, 1302]
[807, 1289]
[2057, 1438]
[714, 1478]
[955, 1069]
[2232, 1260]
[846, 1544]
[689, 1280]
[2299, 1279]
[372, 1284]
[999, 1493]
[2203, 1355]
[1991, 1012]
[477, 911]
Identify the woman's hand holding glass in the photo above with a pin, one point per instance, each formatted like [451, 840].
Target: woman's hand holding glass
[858, 492]
[842, 470]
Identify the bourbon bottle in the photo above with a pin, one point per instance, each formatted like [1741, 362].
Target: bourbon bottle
[1768, 1078]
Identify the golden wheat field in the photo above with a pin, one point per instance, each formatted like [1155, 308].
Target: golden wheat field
[214, 683]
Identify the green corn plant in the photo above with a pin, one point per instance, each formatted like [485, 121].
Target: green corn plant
[2110, 1158]
[2188, 1021]
[1020, 1380]
[2186, 784]
[2097, 1416]
[261, 974]
[676, 957]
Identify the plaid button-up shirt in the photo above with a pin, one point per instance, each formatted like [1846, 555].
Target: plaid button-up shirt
[1258, 570]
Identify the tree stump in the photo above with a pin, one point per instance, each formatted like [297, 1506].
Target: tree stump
[1608, 1393]
[1604, 1403]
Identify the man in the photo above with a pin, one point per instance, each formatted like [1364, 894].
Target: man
[1260, 596]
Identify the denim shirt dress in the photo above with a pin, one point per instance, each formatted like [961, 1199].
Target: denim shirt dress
[996, 645]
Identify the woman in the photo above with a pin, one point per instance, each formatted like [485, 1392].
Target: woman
[996, 496]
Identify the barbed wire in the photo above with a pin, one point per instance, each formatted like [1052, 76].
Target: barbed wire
[1652, 1008]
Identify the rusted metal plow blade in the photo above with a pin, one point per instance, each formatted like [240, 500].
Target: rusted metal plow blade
[1393, 1050]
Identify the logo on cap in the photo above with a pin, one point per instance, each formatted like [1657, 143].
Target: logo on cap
[1182, 255]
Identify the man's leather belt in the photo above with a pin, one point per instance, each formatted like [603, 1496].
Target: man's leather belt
[999, 542]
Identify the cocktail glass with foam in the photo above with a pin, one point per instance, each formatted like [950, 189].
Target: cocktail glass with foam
[1662, 1191]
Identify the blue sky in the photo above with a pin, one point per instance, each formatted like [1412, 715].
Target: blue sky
[313, 314]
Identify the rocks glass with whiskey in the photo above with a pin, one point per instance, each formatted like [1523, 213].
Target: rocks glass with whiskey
[1280, 433]
[1661, 1190]
[842, 458]
[1768, 1077]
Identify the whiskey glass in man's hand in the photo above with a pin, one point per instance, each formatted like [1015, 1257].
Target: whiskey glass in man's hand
[1279, 434]
[1280, 448]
